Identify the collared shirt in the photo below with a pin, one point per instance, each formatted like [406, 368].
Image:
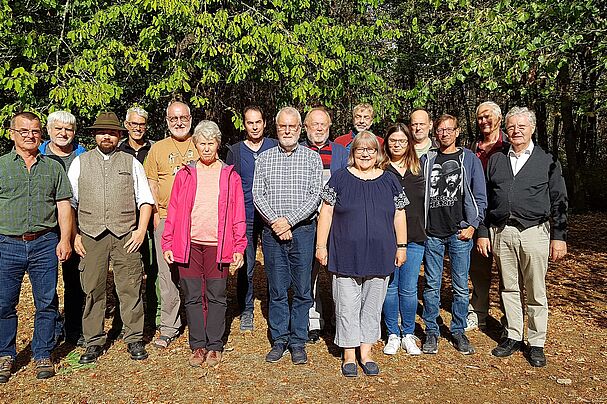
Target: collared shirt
[484, 153]
[140, 154]
[143, 194]
[517, 162]
[287, 184]
[28, 200]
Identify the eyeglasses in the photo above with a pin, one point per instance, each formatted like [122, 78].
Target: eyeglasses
[399, 141]
[26, 132]
[283, 128]
[446, 131]
[143, 125]
[361, 150]
[175, 119]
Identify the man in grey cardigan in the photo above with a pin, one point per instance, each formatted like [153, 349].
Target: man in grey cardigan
[525, 225]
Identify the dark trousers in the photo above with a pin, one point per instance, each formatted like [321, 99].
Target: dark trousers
[244, 285]
[203, 282]
[73, 298]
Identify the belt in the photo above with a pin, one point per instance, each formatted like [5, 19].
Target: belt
[32, 236]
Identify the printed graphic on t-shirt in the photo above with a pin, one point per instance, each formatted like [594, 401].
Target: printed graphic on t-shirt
[445, 184]
[175, 160]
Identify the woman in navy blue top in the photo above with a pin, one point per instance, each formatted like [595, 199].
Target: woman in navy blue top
[401, 297]
[363, 221]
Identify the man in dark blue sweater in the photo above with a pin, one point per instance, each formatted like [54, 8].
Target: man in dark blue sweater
[243, 156]
[525, 225]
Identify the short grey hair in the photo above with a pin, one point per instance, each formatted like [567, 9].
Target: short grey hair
[178, 102]
[136, 110]
[495, 109]
[514, 111]
[207, 130]
[60, 116]
[289, 111]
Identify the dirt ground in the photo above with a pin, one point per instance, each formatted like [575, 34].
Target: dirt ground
[576, 352]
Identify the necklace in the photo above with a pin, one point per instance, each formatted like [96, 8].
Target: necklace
[182, 155]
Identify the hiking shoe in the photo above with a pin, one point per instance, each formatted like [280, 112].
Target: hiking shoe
[44, 368]
[214, 357]
[431, 344]
[298, 355]
[163, 341]
[6, 364]
[392, 345]
[535, 356]
[246, 321]
[276, 353]
[91, 354]
[137, 351]
[198, 357]
[409, 344]
[506, 348]
[462, 344]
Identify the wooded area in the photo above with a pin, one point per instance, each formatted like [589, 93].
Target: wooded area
[219, 56]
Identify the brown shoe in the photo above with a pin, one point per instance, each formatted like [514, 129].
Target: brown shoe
[6, 364]
[44, 368]
[198, 357]
[213, 358]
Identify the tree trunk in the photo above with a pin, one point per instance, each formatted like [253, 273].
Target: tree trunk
[577, 200]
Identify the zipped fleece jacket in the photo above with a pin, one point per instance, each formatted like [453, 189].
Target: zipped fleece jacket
[473, 185]
[231, 234]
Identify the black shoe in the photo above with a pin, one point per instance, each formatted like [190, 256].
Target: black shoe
[536, 357]
[276, 353]
[506, 348]
[44, 369]
[299, 356]
[313, 336]
[462, 344]
[91, 354]
[431, 344]
[137, 351]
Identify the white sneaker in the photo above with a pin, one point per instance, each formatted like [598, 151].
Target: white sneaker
[409, 344]
[393, 344]
[471, 322]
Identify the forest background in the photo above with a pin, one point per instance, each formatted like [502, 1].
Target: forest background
[446, 56]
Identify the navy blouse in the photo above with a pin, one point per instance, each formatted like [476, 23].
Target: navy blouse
[362, 241]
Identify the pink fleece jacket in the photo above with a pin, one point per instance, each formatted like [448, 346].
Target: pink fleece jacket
[231, 234]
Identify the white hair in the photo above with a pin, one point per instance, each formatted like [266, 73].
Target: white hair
[60, 116]
[136, 110]
[289, 111]
[514, 111]
[206, 130]
[495, 109]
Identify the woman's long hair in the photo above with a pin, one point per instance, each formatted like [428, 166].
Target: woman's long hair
[409, 159]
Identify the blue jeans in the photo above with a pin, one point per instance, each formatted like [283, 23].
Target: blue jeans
[459, 255]
[401, 296]
[244, 286]
[39, 259]
[288, 265]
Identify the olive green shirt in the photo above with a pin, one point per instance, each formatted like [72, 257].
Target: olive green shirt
[28, 200]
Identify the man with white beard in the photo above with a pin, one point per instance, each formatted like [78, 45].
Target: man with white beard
[163, 161]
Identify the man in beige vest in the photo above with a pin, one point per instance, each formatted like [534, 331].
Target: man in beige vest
[109, 186]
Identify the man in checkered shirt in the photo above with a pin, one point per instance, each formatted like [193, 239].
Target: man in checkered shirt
[286, 192]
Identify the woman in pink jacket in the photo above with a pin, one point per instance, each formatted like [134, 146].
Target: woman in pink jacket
[205, 232]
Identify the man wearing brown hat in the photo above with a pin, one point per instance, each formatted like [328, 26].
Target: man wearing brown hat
[108, 188]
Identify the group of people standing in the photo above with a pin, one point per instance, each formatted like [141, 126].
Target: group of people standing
[370, 209]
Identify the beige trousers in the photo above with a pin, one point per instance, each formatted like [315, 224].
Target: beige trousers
[522, 258]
